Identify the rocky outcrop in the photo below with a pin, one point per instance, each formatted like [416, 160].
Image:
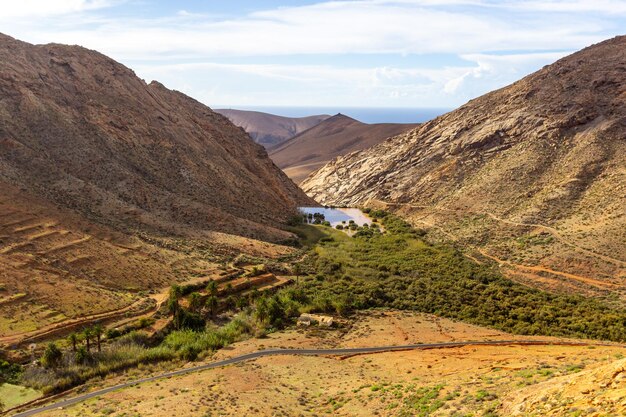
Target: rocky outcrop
[548, 149]
[84, 132]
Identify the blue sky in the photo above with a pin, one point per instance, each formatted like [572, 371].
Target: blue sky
[370, 53]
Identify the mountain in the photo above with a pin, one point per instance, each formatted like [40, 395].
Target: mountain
[268, 129]
[112, 189]
[85, 133]
[532, 175]
[338, 135]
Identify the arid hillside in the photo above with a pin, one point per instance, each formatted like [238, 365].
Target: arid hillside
[531, 175]
[82, 131]
[492, 380]
[338, 135]
[269, 129]
[111, 190]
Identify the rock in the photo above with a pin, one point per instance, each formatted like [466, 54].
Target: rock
[83, 131]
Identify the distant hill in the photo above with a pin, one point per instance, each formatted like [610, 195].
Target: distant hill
[338, 135]
[268, 129]
[533, 175]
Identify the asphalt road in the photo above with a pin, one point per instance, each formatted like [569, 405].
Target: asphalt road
[310, 352]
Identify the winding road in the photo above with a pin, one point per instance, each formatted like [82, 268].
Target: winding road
[307, 352]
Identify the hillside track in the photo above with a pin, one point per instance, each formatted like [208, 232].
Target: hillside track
[302, 352]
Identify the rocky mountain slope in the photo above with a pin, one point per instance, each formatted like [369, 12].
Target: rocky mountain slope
[112, 189]
[531, 175]
[269, 129]
[84, 132]
[338, 135]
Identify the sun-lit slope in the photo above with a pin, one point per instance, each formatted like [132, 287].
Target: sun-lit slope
[533, 173]
[471, 380]
[54, 265]
[85, 132]
[112, 189]
[338, 135]
[270, 130]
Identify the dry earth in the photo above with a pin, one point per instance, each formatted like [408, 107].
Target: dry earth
[440, 382]
[337, 135]
[270, 130]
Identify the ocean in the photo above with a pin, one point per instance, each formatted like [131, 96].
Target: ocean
[363, 114]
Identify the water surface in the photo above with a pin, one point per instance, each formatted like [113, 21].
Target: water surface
[339, 215]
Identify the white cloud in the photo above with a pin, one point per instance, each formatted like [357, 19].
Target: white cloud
[365, 27]
[574, 6]
[353, 86]
[492, 36]
[40, 8]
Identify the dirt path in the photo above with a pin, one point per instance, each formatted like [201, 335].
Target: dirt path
[586, 280]
[307, 352]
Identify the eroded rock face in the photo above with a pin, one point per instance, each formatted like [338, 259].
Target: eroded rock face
[83, 131]
[536, 145]
[549, 149]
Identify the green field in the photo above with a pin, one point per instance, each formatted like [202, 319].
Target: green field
[14, 395]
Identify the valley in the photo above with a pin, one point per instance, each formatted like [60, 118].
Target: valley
[159, 258]
[335, 136]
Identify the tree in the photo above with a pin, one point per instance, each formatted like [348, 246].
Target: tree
[88, 334]
[211, 304]
[195, 301]
[173, 305]
[98, 331]
[261, 311]
[51, 356]
[211, 288]
[73, 340]
[81, 355]
[297, 270]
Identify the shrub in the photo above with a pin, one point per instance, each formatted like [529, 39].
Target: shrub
[51, 356]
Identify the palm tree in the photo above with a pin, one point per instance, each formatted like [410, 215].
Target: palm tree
[211, 288]
[194, 301]
[297, 271]
[73, 339]
[173, 306]
[211, 304]
[97, 331]
[87, 334]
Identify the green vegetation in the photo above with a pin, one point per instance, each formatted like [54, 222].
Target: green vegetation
[64, 370]
[399, 269]
[393, 268]
[13, 395]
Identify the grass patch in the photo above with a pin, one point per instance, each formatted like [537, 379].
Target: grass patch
[14, 395]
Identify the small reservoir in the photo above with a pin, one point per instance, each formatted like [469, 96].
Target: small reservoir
[339, 215]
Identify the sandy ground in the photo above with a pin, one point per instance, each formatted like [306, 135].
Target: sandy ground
[474, 380]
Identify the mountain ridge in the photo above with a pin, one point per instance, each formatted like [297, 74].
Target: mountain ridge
[270, 130]
[85, 132]
[337, 135]
[546, 149]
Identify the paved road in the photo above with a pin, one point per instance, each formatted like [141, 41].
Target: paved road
[309, 352]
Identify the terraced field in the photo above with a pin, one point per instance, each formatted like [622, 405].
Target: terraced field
[60, 271]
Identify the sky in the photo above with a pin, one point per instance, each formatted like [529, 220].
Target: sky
[352, 53]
